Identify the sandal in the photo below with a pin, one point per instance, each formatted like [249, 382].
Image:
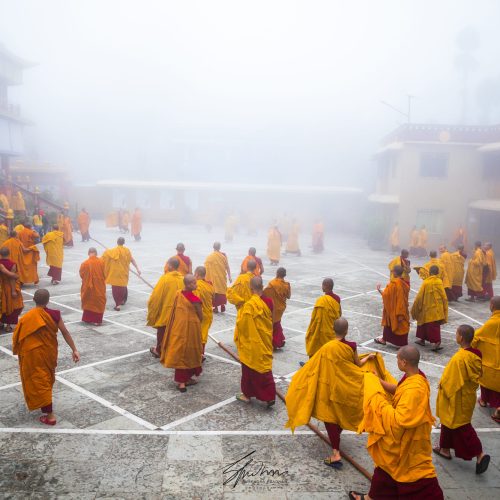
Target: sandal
[270, 403]
[153, 352]
[45, 420]
[482, 466]
[378, 341]
[437, 451]
[181, 389]
[241, 397]
[437, 348]
[360, 495]
[482, 403]
[191, 382]
[335, 464]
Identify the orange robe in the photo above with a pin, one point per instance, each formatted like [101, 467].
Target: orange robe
[475, 269]
[16, 255]
[279, 291]
[182, 347]
[274, 245]
[492, 266]
[67, 230]
[28, 237]
[35, 342]
[83, 222]
[30, 265]
[246, 260]
[217, 270]
[136, 224]
[9, 304]
[396, 315]
[93, 291]
[205, 292]
[183, 267]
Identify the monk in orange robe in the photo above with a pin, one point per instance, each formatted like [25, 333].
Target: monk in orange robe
[185, 264]
[117, 268]
[413, 246]
[318, 237]
[292, 241]
[402, 261]
[53, 243]
[67, 230]
[399, 434]
[182, 347]
[11, 298]
[279, 291]
[460, 238]
[17, 254]
[205, 292]
[84, 224]
[489, 271]
[35, 343]
[456, 401]
[218, 273]
[27, 236]
[93, 291]
[395, 314]
[422, 242]
[274, 245]
[252, 256]
[136, 224]
[394, 238]
[475, 272]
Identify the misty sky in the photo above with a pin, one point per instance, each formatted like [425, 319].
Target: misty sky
[253, 91]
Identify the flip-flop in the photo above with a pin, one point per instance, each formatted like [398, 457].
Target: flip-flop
[437, 348]
[352, 493]
[181, 389]
[153, 352]
[45, 420]
[437, 451]
[482, 403]
[271, 403]
[335, 464]
[482, 466]
[377, 341]
[240, 397]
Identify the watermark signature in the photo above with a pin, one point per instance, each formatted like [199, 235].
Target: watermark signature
[247, 467]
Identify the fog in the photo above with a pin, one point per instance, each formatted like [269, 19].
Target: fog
[261, 91]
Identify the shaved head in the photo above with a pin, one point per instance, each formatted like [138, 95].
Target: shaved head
[217, 246]
[256, 284]
[41, 297]
[495, 303]
[173, 264]
[397, 271]
[180, 247]
[434, 270]
[252, 251]
[189, 282]
[327, 285]
[4, 252]
[466, 332]
[92, 251]
[341, 326]
[433, 254]
[280, 272]
[200, 271]
[251, 265]
[404, 253]
[409, 354]
[120, 241]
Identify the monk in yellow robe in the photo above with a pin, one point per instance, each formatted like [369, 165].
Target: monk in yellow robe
[395, 314]
[53, 243]
[430, 310]
[28, 236]
[11, 298]
[330, 388]
[457, 281]
[4, 202]
[4, 233]
[182, 348]
[456, 401]
[279, 291]
[117, 268]
[18, 204]
[402, 261]
[274, 245]
[326, 310]
[414, 241]
[474, 276]
[399, 434]
[35, 343]
[487, 340]
[318, 237]
[449, 269]
[434, 260]
[161, 302]
[67, 229]
[218, 273]
[84, 224]
[259, 270]
[185, 264]
[490, 271]
[460, 238]
[93, 291]
[205, 292]
[292, 242]
[239, 292]
[136, 224]
[254, 341]
[394, 238]
[18, 253]
[422, 242]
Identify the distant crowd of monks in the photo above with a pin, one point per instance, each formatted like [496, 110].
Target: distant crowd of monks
[126, 223]
[336, 385]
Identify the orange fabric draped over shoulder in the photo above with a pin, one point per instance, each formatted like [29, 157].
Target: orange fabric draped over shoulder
[279, 291]
[18, 257]
[28, 237]
[93, 291]
[395, 299]
[35, 343]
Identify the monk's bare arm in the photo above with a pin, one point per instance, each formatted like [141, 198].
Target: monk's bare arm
[134, 263]
[26, 250]
[69, 340]
[390, 388]
[199, 312]
[361, 362]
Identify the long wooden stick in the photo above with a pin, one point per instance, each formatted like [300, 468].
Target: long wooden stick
[315, 429]
[131, 270]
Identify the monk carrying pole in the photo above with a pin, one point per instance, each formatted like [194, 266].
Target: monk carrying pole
[314, 428]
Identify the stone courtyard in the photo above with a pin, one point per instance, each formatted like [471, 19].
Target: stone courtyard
[124, 431]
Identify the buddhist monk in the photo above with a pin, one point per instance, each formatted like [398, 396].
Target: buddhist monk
[402, 261]
[326, 310]
[28, 236]
[18, 204]
[274, 245]
[414, 241]
[434, 260]
[38, 222]
[474, 276]
[279, 291]
[456, 401]
[422, 242]
[53, 244]
[330, 388]
[116, 267]
[460, 238]
[11, 298]
[489, 271]
[60, 220]
[136, 224]
[124, 221]
[67, 229]
[4, 202]
[292, 242]
[4, 233]
[35, 343]
[394, 238]
[93, 291]
[318, 237]
[487, 340]
[218, 273]
[259, 269]
[182, 348]
[458, 260]
[84, 224]
[185, 264]
[161, 302]
[254, 341]
[430, 310]
[205, 292]
[399, 433]
[449, 270]
[25, 259]
[395, 314]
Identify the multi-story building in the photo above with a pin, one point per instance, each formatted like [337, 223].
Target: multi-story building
[440, 176]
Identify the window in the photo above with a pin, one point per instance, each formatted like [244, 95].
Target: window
[491, 167]
[431, 219]
[143, 199]
[434, 165]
